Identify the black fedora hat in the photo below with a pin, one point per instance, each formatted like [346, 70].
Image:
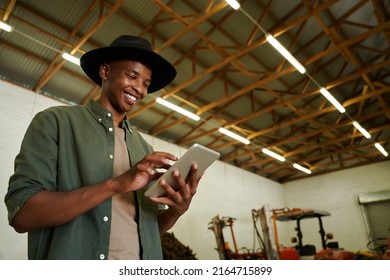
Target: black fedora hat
[133, 48]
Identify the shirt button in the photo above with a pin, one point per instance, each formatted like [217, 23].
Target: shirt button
[105, 218]
[102, 256]
[110, 129]
[108, 114]
[111, 156]
[100, 120]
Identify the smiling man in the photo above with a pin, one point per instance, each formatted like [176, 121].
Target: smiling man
[82, 171]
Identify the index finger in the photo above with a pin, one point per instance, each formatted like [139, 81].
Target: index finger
[164, 155]
[160, 159]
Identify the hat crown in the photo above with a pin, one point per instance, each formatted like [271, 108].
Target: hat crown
[129, 47]
[132, 42]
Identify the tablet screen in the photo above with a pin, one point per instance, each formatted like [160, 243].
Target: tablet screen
[199, 154]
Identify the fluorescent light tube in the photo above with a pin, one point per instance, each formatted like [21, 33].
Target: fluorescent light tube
[301, 168]
[234, 136]
[272, 154]
[287, 55]
[381, 149]
[361, 129]
[332, 100]
[5, 26]
[233, 3]
[71, 58]
[177, 109]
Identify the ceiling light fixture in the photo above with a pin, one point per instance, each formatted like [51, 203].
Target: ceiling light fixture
[301, 168]
[5, 26]
[284, 52]
[361, 129]
[234, 135]
[381, 149]
[332, 100]
[234, 4]
[272, 154]
[177, 109]
[71, 58]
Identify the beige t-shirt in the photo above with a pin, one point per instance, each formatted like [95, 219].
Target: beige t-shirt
[124, 241]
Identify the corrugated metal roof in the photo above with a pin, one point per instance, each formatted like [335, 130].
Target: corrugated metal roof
[228, 73]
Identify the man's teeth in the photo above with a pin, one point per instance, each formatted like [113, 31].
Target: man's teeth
[131, 97]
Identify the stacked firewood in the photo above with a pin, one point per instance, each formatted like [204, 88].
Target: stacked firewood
[173, 249]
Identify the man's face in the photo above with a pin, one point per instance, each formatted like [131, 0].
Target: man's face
[125, 83]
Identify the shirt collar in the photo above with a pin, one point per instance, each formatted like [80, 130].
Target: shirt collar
[101, 114]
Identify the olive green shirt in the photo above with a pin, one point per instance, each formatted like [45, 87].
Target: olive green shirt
[66, 148]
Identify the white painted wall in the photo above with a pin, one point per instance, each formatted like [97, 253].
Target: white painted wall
[225, 190]
[338, 194]
[17, 107]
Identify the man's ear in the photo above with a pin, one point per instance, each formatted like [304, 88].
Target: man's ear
[103, 71]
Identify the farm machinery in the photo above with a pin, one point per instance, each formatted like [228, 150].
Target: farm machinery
[269, 246]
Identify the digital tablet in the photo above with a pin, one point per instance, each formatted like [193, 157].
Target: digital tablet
[199, 154]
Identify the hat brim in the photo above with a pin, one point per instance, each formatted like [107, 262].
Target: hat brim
[163, 72]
